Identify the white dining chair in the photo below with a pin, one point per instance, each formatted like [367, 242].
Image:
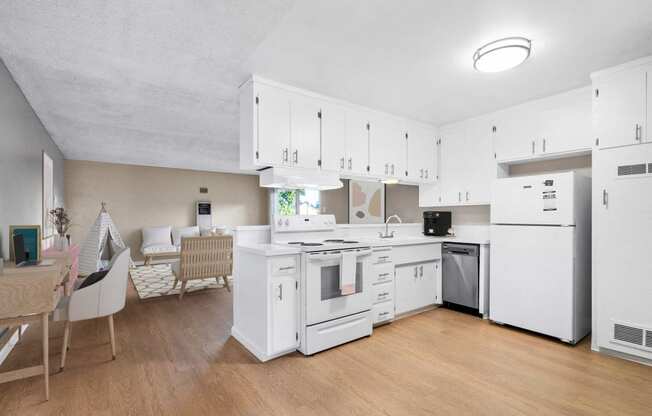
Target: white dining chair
[98, 300]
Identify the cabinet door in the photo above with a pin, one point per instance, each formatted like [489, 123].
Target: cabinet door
[647, 130]
[386, 147]
[357, 142]
[305, 132]
[453, 173]
[430, 194]
[515, 136]
[333, 134]
[283, 320]
[566, 126]
[479, 162]
[421, 153]
[406, 288]
[427, 284]
[618, 108]
[273, 125]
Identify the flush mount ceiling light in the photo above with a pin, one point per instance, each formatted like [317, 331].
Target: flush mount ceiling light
[502, 54]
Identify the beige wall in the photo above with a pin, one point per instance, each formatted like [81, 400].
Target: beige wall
[139, 196]
[579, 163]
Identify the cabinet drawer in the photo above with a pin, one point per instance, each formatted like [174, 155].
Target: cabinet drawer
[383, 273]
[382, 255]
[283, 265]
[383, 292]
[417, 253]
[383, 312]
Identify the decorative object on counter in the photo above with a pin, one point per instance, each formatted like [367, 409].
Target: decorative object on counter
[366, 202]
[102, 240]
[31, 238]
[60, 219]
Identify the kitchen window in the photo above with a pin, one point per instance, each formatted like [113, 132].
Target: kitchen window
[296, 202]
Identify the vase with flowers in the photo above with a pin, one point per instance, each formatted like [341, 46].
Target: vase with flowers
[60, 219]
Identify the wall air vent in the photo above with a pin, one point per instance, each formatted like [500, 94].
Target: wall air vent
[648, 339]
[628, 334]
[638, 169]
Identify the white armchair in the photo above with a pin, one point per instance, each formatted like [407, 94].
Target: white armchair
[101, 299]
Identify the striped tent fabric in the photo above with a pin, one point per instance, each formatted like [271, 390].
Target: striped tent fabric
[102, 236]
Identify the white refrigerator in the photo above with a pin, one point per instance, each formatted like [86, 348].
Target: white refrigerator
[540, 265]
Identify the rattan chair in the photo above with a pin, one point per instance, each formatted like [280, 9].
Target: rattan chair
[202, 258]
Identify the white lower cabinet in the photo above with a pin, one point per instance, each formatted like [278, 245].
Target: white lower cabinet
[283, 317]
[417, 286]
[266, 303]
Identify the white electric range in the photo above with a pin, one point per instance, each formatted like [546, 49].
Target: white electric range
[329, 314]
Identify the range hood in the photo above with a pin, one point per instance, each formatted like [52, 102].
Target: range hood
[297, 178]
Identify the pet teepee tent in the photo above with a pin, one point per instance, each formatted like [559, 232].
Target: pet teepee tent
[102, 241]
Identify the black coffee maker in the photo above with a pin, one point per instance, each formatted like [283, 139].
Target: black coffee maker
[436, 223]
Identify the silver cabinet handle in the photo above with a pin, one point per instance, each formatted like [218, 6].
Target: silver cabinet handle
[420, 271]
[467, 195]
[426, 173]
[350, 163]
[544, 145]
[533, 146]
[392, 168]
[386, 168]
[341, 163]
[416, 272]
[295, 156]
[638, 132]
[605, 198]
[280, 292]
[459, 197]
[421, 173]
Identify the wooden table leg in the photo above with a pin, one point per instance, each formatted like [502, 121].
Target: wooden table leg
[112, 336]
[46, 352]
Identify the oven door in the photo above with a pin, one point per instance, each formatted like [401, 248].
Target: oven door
[324, 300]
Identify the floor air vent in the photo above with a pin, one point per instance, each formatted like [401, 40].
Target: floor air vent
[638, 169]
[629, 334]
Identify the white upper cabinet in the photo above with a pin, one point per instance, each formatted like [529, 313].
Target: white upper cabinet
[619, 107]
[515, 134]
[357, 142]
[284, 126]
[386, 146]
[305, 131]
[333, 133]
[421, 152]
[560, 124]
[479, 160]
[565, 123]
[272, 127]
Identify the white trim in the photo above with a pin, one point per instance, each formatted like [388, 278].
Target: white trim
[622, 67]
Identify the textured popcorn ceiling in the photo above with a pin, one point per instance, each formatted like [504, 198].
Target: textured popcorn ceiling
[155, 82]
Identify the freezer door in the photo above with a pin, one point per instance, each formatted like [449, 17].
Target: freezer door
[531, 279]
[540, 199]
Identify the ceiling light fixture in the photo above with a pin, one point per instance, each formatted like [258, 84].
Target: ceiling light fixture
[502, 54]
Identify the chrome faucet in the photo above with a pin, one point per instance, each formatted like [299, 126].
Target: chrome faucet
[387, 234]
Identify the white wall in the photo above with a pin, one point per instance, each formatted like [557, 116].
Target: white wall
[22, 142]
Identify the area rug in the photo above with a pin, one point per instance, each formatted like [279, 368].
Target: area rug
[157, 280]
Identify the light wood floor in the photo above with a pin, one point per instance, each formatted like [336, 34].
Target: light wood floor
[176, 358]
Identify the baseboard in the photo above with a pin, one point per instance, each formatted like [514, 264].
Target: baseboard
[624, 356]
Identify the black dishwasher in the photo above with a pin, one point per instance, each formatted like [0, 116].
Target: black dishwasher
[460, 276]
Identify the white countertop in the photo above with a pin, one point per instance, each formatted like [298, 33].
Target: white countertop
[268, 250]
[265, 249]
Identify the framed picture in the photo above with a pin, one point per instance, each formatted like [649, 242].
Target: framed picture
[48, 195]
[366, 202]
[32, 238]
